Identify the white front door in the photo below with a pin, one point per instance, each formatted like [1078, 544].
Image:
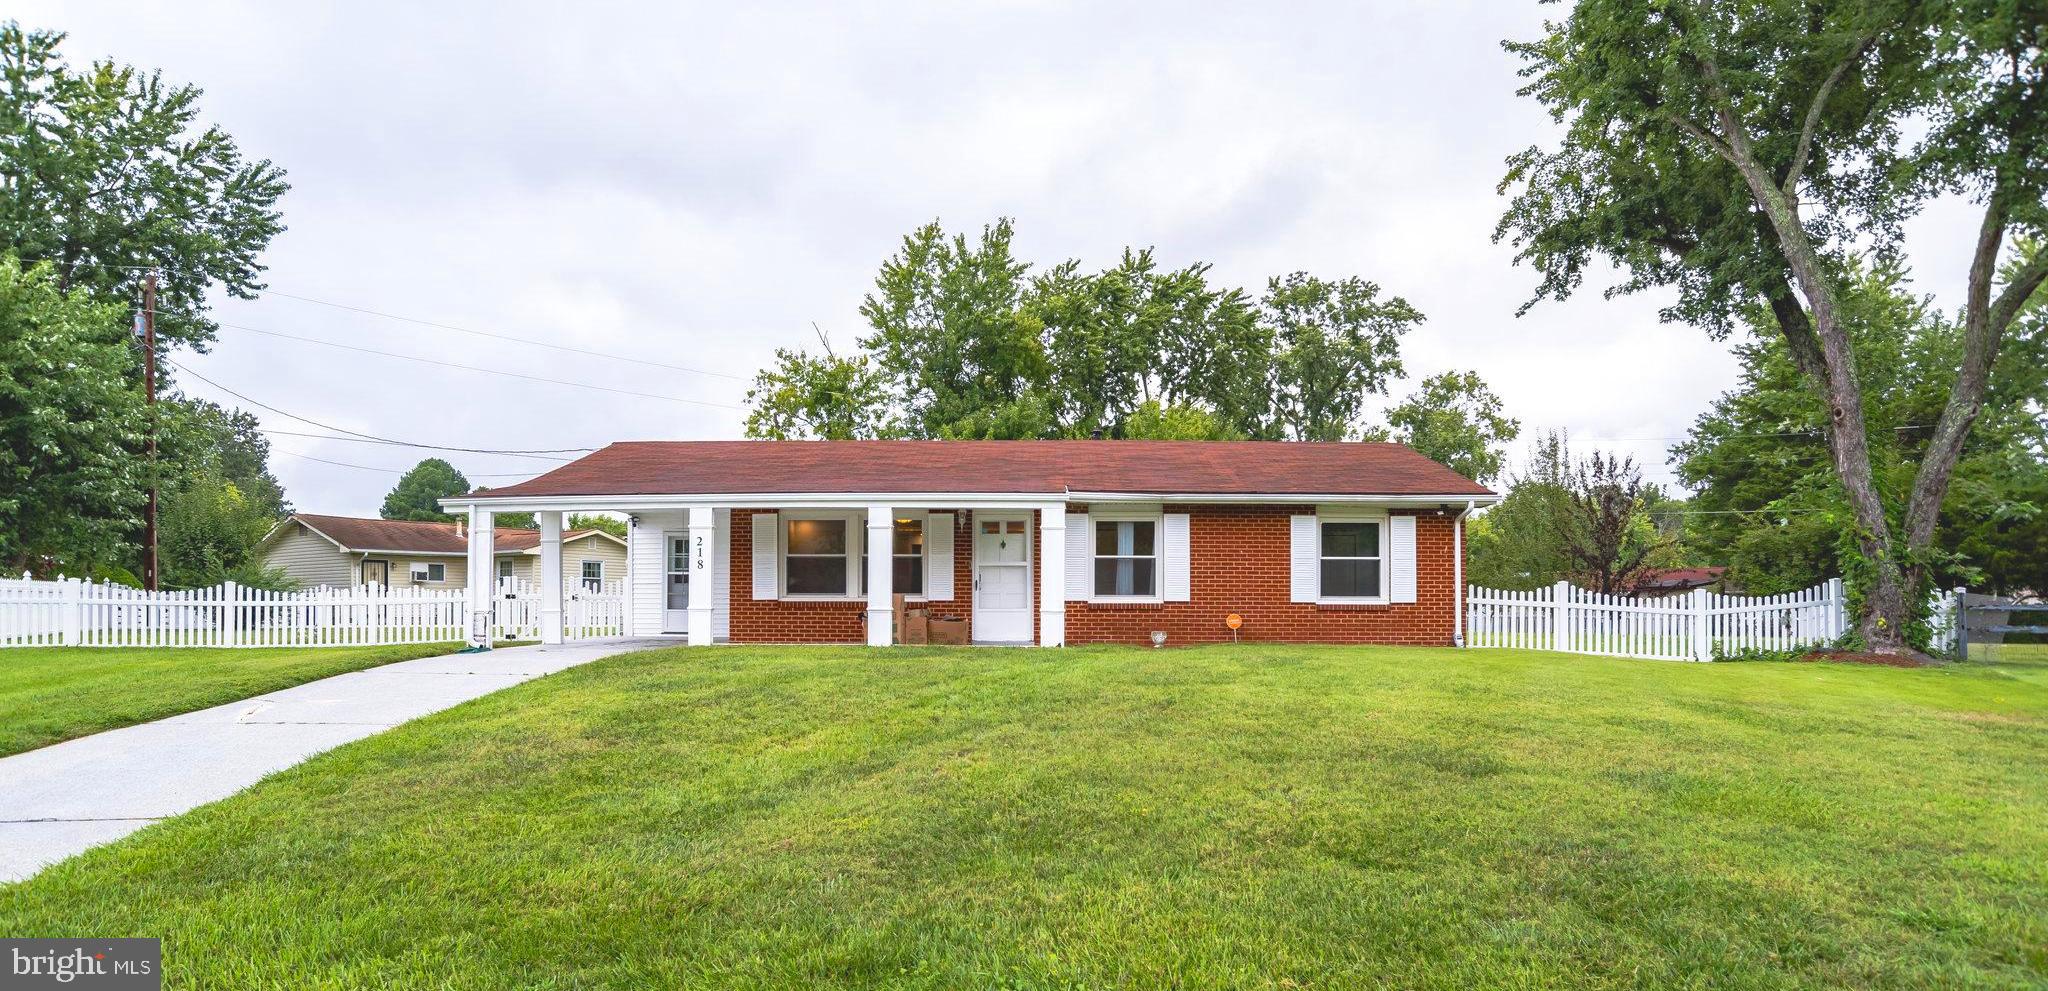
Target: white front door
[1002, 577]
[675, 586]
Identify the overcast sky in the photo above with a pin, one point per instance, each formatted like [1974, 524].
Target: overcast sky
[697, 185]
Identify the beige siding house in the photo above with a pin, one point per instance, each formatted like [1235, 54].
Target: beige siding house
[316, 550]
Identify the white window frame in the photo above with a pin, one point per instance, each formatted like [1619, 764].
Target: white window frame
[854, 520]
[506, 568]
[583, 575]
[419, 568]
[1386, 557]
[1100, 513]
[924, 527]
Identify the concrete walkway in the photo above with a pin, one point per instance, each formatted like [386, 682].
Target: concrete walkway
[73, 796]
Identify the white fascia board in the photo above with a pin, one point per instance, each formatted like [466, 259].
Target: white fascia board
[1387, 501]
[766, 500]
[937, 500]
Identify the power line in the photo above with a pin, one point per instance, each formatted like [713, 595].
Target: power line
[505, 337]
[395, 471]
[539, 453]
[477, 368]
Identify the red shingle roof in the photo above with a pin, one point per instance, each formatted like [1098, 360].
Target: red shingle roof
[356, 533]
[982, 466]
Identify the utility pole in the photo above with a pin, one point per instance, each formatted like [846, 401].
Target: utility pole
[149, 385]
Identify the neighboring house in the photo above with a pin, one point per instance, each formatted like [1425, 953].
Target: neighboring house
[346, 550]
[1656, 582]
[1044, 542]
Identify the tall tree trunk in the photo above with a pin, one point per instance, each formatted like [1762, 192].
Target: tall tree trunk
[1824, 350]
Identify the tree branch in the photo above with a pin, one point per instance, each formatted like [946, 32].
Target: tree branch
[1984, 324]
[1813, 112]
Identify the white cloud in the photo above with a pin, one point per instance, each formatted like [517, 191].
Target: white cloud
[698, 185]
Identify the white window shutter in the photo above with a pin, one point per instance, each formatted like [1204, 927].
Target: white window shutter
[938, 557]
[1402, 560]
[1177, 583]
[1080, 557]
[767, 531]
[1304, 557]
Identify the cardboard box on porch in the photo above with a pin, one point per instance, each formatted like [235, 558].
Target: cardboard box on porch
[947, 631]
[910, 620]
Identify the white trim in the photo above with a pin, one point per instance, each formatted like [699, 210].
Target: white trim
[938, 557]
[1133, 514]
[1385, 558]
[583, 579]
[854, 519]
[1080, 557]
[1363, 499]
[975, 620]
[947, 500]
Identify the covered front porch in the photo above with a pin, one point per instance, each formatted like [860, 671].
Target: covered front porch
[786, 569]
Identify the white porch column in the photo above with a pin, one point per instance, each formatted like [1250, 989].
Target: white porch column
[550, 577]
[1052, 575]
[481, 576]
[703, 560]
[881, 547]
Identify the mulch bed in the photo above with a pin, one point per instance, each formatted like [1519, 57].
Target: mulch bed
[1854, 657]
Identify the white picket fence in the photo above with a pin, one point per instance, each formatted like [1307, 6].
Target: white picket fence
[69, 612]
[1691, 627]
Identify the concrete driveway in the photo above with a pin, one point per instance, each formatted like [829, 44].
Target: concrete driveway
[73, 796]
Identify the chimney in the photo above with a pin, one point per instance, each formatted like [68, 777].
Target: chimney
[461, 528]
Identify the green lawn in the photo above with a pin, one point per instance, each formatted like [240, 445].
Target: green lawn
[48, 694]
[1259, 817]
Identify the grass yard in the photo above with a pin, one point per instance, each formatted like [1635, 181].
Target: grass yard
[50, 694]
[1242, 817]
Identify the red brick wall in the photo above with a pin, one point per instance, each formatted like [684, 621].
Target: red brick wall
[801, 621]
[784, 620]
[1238, 563]
[1238, 560]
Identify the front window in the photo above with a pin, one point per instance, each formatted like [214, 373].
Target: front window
[1126, 558]
[907, 558]
[504, 568]
[425, 574]
[593, 575]
[815, 556]
[1351, 560]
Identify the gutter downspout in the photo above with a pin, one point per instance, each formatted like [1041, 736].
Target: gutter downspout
[1458, 575]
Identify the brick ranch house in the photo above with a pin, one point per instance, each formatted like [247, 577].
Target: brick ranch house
[1031, 542]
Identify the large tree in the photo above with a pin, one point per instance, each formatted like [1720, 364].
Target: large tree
[1455, 419]
[108, 170]
[967, 341]
[1745, 151]
[1775, 512]
[419, 492]
[70, 480]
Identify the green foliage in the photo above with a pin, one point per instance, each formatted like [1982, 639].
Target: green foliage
[598, 521]
[108, 168]
[1779, 518]
[207, 532]
[951, 335]
[1335, 343]
[1744, 153]
[1153, 420]
[71, 478]
[1456, 420]
[967, 342]
[200, 438]
[419, 492]
[824, 398]
[1591, 520]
